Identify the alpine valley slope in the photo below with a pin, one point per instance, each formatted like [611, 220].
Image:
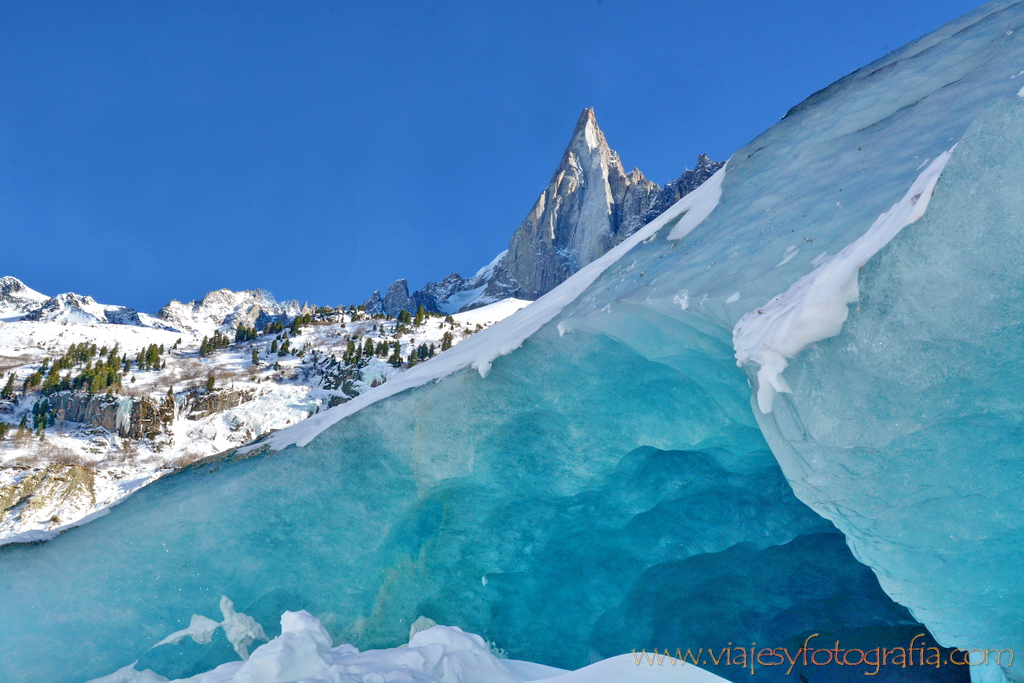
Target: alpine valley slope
[606, 483]
[107, 399]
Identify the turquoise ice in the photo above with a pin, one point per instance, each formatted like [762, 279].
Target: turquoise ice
[613, 482]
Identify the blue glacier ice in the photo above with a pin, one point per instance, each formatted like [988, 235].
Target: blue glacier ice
[600, 474]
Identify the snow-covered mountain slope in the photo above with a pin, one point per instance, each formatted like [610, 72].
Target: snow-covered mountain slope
[95, 448]
[83, 310]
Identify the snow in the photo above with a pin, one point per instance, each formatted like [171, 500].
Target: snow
[461, 299]
[485, 272]
[815, 306]
[505, 336]
[304, 652]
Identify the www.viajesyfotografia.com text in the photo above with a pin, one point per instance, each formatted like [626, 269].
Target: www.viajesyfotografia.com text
[751, 658]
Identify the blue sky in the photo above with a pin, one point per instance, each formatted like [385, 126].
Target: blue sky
[321, 150]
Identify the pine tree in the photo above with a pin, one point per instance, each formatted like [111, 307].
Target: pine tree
[5, 429]
[404, 317]
[255, 356]
[8, 390]
[446, 341]
[421, 315]
[210, 381]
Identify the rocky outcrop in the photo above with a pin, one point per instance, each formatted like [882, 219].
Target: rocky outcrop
[578, 217]
[40, 495]
[398, 299]
[199, 404]
[675, 190]
[133, 418]
[375, 304]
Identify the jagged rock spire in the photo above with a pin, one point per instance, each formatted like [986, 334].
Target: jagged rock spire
[578, 217]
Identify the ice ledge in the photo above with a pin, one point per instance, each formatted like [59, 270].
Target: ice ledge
[815, 306]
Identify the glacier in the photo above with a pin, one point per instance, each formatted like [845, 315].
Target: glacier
[597, 474]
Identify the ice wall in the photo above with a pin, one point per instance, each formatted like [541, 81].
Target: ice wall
[905, 429]
[525, 506]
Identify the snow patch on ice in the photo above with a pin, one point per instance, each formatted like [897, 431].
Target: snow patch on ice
[733, 298]
[480, 350]
[241, 629]
[304, 653]
[815, 306]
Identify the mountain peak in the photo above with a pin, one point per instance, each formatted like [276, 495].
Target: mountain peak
[16, 297]
[588, 132]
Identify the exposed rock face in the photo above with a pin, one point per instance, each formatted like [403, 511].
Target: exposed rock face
[397, 297]
[590, 205]
[674, 191]
[375, 304]
[224, 309]
[130, 418]
[200, 404]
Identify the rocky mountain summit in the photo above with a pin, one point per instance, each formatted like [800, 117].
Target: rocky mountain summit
[226, 309]
[590, 205]
[16, 298]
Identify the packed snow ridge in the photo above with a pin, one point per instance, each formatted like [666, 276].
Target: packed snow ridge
[305, 653]
[815, 307]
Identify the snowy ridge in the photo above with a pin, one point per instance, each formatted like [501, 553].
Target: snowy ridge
[84, 310]
[815, 306]
[224, 309]
[305, 652]
[483, 348]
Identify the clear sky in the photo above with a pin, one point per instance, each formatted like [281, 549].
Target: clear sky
[151, 151]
